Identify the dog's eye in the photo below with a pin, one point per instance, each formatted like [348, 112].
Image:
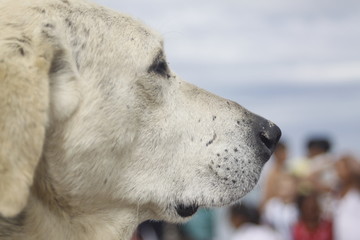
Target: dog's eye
[160, 67]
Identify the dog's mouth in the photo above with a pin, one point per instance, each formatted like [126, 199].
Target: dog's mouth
[186, 210]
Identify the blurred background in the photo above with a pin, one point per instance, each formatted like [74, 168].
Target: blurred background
[294, 62]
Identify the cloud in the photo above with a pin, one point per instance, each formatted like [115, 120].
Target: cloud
[269, 40]
[323, 72]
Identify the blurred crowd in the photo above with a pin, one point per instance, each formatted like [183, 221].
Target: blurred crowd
[315, 197]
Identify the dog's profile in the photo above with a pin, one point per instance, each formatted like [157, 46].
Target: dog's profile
[97, 134]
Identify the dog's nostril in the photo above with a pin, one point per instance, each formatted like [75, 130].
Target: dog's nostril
[268, 143]
[269, 135]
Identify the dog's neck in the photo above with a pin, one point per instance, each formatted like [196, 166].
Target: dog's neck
[49, 215]
[41, 222]
[52, 213]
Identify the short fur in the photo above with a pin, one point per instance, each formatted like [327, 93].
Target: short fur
[97, 134]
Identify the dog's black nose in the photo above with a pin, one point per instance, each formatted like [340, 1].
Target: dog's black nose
[268, 133]
[270, 137]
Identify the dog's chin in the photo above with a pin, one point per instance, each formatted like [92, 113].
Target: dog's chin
[215, 193]
[182, 211]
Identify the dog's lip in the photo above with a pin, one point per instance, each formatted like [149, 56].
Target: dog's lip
[264, 155]
[184, 210]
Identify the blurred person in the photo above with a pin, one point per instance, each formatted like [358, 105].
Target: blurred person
[347, 213]
[317, 172]
[245, 220]
[323, 174]
[275, 169]
[311, 226]
[317, 160]
[280, 212]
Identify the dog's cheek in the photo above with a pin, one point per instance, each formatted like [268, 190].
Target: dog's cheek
[150, 91]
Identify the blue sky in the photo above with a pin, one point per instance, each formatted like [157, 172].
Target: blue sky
[295, 62]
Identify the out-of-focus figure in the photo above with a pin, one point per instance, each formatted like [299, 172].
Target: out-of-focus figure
[245, 220]
[311, 225]
[347, 213]
[275, 170]
[317, 166]
[317, 172]
[280, 212]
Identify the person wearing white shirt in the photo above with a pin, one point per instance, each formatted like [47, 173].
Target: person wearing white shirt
[347, 213]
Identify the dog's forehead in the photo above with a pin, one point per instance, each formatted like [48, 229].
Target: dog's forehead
[131, 38]
[109, 30]
[140, 37]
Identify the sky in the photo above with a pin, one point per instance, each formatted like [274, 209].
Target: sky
[295, 62]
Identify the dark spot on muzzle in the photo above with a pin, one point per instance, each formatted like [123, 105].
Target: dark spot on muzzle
[186, 210]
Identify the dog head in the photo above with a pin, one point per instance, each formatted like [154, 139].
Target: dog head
[124, 130]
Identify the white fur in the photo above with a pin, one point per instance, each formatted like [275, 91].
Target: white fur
[124, 144]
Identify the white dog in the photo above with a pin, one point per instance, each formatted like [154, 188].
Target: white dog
[97, 134]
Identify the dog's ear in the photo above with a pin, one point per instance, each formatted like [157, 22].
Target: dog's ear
[37, 86]
[24, 104]
[64, 80]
